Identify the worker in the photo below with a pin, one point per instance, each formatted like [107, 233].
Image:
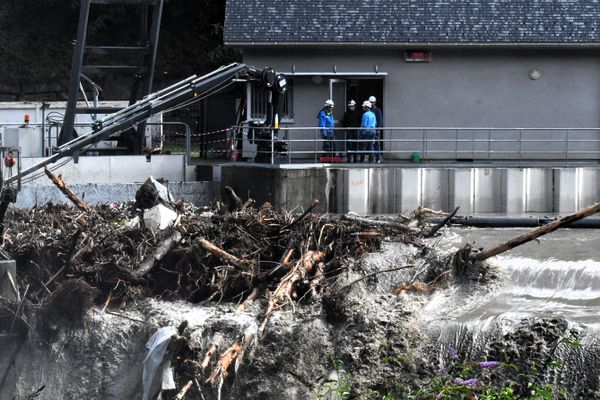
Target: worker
[352, 119]
[327, 125]
[367, 132]
[378, 145]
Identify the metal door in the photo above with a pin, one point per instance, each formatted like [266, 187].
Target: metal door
[337, 93]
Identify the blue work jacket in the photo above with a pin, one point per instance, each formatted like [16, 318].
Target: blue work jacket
[326, 123]
[368, 123]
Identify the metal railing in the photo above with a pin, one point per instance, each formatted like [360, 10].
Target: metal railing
[409, 144]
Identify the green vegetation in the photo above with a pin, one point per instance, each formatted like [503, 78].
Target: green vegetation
[469, 380]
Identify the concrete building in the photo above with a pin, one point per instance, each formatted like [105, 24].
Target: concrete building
[495, 65]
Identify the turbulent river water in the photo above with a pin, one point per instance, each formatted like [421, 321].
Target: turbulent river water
[556, 276]
[550, 289]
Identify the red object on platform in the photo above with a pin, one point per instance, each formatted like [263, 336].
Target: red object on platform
[331, 159]
[9, 161]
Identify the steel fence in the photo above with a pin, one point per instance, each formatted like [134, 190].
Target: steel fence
[408, 144]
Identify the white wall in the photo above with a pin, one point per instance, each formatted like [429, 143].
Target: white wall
[114, 169]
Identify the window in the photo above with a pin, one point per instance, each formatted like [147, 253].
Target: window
[258, 102]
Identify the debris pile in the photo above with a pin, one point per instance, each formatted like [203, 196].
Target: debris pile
[234, 252]
[204, 255]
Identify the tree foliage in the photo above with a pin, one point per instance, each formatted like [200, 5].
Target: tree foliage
[37, 37]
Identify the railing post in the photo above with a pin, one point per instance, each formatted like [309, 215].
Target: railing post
[456, 145]
[520, 147]
[489, 152]
[289, 147]
[567, 148]
[425, 147]
[315, 142]
[272, 147]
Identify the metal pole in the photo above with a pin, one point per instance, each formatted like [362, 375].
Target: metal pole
[425, 144]
[272, 147]
[520, 147]
[567, 148]
[489, 144]
[289, 149]
[315, 141]
[456, 145]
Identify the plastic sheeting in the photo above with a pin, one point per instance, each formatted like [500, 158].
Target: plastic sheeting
[157, 348]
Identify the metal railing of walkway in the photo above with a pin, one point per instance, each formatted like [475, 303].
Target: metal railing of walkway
[290, 145]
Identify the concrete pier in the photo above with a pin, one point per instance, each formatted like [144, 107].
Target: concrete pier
[390, 189]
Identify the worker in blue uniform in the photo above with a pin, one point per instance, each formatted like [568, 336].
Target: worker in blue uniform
[327, 125]
[367, 132]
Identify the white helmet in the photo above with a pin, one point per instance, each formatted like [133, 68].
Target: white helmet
[328, 103]
[372, 99]
[351, 103]
[367, 104]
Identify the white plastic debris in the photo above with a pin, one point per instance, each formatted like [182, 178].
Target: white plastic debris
[133, 223]
[157, 348]
[163, 192]
[159, 217]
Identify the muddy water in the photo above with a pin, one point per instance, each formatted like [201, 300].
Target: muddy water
[558, 276]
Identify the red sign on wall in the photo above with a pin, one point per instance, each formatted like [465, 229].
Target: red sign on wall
[417, 56]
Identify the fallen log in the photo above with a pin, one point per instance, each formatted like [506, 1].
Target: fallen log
[551, 227]
[62, 186]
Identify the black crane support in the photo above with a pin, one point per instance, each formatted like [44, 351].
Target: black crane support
[143, 72]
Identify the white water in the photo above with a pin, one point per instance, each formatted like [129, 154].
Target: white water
[559, 276]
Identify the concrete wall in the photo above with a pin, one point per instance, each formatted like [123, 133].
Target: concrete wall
[116, 179]
[397, 190]
[113, 169]
[485, 87]
[199, 193]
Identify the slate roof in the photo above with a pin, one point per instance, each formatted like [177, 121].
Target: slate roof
[412, 21]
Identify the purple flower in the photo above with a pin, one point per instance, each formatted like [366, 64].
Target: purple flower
[472, 383]
[453, 353]
[443, 371]
[489, 364]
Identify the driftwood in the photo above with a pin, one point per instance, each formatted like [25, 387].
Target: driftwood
[223, 255]
[183, 391]
[209, 355]
[441, 224]
[227, 358]
[285, 290]
[13, 285]
[163, 248]
[251, 297]
[303, 215]
[381, 271]
[62, 186]
[538, 232]
[383, 223]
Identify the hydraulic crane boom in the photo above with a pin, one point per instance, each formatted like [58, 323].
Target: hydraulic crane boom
[178, 95]
[175, 96]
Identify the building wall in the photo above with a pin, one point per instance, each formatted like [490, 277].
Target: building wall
[479, 87]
